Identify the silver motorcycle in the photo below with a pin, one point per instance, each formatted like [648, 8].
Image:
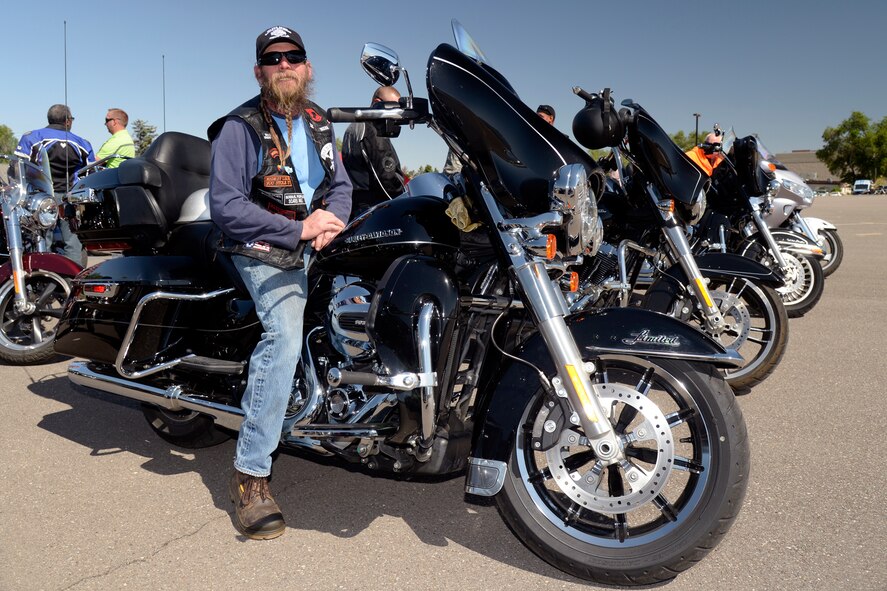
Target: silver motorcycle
[791, 198]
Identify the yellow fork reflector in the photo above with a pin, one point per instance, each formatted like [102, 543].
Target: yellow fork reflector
[15, 281]
[703, 291]
[583, 394]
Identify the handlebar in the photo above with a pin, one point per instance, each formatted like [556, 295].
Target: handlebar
[396, 114]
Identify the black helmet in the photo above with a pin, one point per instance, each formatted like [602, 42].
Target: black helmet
[597, 125]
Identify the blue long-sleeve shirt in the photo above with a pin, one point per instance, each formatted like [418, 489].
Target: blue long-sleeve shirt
[235, 161]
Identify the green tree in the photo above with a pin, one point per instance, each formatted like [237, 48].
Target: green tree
[420, 170]
[143, 134]
[856, 148]
[8, 141]
[686, 140]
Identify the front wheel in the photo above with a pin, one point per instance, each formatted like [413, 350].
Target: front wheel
[656, 512]
[755, 325]
[834, 251]
[804, 281]
[26, 338]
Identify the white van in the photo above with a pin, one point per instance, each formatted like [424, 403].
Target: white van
[861, 187]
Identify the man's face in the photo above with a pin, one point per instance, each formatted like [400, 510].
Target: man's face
[109, 122]
[285, 84]
[546, 116]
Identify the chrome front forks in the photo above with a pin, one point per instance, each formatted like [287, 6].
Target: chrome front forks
[546, 303]
[16, 250]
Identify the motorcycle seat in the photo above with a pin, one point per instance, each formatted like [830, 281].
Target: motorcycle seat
[175, 165]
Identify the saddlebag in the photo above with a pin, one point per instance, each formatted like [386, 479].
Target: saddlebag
[194, 305]
[136, 205]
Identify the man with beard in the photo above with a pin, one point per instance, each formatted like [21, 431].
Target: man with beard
[277, 191]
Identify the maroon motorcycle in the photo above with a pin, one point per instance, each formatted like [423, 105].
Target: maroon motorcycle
[34, 281]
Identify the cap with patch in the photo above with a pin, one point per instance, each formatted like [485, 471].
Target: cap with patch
[277, 35]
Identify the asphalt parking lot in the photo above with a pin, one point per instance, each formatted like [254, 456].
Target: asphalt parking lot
[93, 500]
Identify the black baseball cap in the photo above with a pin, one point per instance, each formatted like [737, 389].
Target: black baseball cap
[277, 34]
[547, 109]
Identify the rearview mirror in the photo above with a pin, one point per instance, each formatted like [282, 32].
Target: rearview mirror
[381, 63]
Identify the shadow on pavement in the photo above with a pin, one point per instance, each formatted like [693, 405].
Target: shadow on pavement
[317, 494]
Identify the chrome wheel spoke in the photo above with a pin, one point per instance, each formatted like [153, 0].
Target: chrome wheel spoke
[688, 465]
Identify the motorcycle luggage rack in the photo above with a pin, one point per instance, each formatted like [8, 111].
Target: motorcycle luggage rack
[192, 361]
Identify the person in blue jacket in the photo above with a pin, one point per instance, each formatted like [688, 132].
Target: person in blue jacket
[67, 153]
[278, 192]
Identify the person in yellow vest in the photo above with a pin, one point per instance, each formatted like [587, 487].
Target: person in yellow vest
[708, 155]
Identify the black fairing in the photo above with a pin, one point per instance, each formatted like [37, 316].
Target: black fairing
[662, 160]
[406, 225]
[515, 149]
[747, 160]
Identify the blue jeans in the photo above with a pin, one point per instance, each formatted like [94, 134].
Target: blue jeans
[280, 305]
[73, 247]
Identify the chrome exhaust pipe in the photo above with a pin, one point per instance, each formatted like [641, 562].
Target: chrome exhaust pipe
[172, 398]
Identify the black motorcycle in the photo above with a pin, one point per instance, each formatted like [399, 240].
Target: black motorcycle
[646, 259]
[610, 442]
[741, 191]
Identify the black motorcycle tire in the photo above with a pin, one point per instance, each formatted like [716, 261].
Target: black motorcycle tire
[27, 339]
[834, 252]
[758, 321]
[188, 429]
[701, 491]
[800, 296]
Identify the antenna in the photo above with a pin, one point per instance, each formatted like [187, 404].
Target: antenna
[67, 167]
[163, 71]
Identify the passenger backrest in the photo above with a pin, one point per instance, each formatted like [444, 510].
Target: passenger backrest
[184, 162]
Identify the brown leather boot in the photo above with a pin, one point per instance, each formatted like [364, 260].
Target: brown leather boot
[256, 515]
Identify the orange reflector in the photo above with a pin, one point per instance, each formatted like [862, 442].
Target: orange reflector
[772, 166]
[587, 407]
[96, 288]
[15, 281]
[551, 247]
[703, 292]
[574, 282]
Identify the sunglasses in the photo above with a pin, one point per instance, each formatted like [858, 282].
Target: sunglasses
[107, 119]
[272, 58]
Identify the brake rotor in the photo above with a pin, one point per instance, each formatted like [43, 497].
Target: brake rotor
[587, 485]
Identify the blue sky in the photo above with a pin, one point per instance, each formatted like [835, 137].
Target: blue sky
[783, 69]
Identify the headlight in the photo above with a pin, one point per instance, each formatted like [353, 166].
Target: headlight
[43, 210]
[698, 208]
[572, 197]
[799, 189]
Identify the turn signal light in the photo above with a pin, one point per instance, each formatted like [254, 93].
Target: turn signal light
[574, 282]
[551, 247]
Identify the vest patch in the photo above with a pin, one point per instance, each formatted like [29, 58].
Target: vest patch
[273, 181]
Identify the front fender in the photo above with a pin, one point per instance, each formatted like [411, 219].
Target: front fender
[797, 243]
[817, 225]
[623, 331]
[43, 261]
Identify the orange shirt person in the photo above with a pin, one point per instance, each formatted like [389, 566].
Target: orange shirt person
[707, 158]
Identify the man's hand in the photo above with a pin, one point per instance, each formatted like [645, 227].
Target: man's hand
[320, 227]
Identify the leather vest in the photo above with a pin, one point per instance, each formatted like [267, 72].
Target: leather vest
[275, 189]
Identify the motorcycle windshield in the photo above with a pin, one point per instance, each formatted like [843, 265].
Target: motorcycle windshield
[769, 156]
[671, 170]
[515, 150]
[38, 177]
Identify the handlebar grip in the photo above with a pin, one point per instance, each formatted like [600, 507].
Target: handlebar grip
[341, 115]
[577, 90]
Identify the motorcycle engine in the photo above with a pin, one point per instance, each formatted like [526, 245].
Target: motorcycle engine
[349, 310]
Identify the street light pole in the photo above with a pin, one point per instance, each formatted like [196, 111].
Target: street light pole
[697, 115]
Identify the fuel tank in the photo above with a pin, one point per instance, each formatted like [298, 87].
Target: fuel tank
[402, 226]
